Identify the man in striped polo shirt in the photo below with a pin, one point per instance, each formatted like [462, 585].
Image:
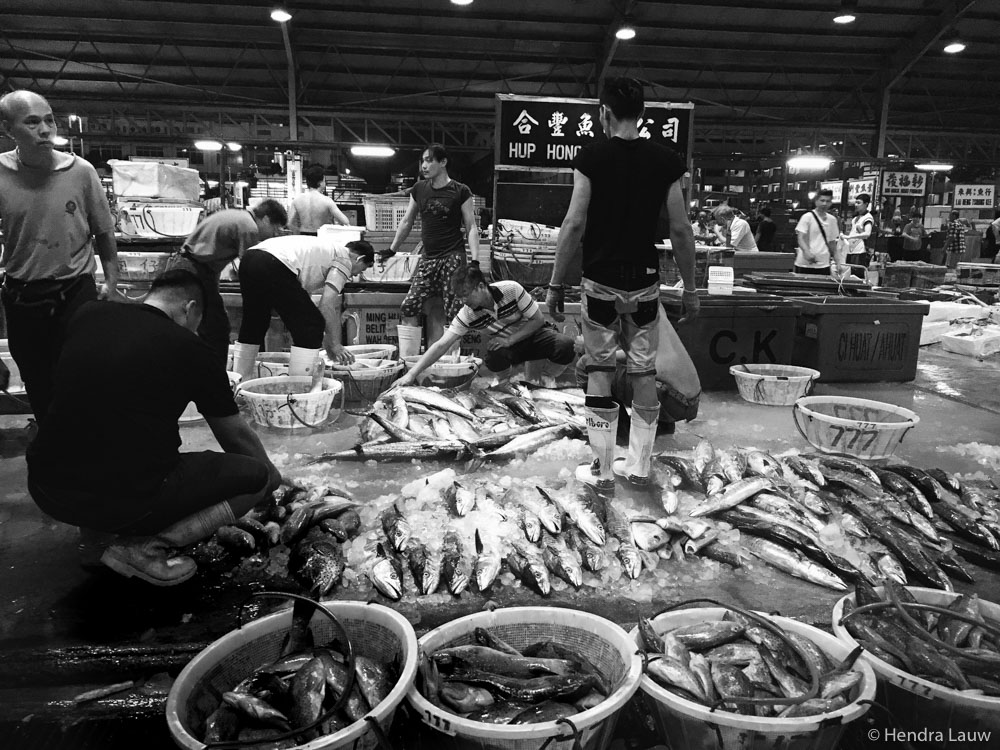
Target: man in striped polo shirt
[512, 319]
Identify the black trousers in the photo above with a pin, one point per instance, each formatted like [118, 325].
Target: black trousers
[546, 343]
[268, 284]
[214, 327]
[37, 313]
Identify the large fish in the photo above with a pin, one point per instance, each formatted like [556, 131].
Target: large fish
[618, 526]
[396, 527]
[531, 441]
[455, 568]
[570, 396]
[433, 399]
[496, 440]
[317, 564]
[904, 489]
[793, 563]
[542, 506]
[685, 469]
[530, 568]
[500, 662]
[592, 556]
[731, 496]
[563, 563]
[425, 566]
[459, 499]
[387, 574]
[404, 451]
[580, 511]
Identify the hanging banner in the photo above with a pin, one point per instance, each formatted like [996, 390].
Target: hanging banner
[974, 196]
[546, 132]
[904, 183]
[836, 187]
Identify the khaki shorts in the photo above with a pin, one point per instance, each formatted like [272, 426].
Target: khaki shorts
[615, 319]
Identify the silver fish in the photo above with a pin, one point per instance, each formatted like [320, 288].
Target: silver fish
[648, 536]
[442, 430]
[459, 499]
[593, 557]
[396, 528]
[530, 568]
[531, 441]
[570, 396]
[487, 564]
[854, 526]
[703, 454]
[889, 567]
[433, 399]
[455, 569]
[564, 564]
[793, 563]
[669, 500]
[462, 428]
[731, 496]
[580, 513]
[425, 566]
[547, 511]
[386, 574]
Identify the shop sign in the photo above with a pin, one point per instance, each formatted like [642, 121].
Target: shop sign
[836, 187]
[904, 183]
[857, 187]
[974, 196]
[548, 132]
[169, 161]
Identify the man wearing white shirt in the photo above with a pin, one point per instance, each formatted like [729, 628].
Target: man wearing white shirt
[736, 229]
[817, 233]
[281, 274]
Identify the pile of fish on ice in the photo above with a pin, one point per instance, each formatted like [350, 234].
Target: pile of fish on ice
[825, 519]
[416, 422]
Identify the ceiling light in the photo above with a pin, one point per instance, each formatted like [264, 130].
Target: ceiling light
[954, 47]
[381, 152]
[625, 32]
[935, 167]
[461, 2]
[846, 14]
[208, 145]
[232, 146]
[813, 163]
[845, 18]
[281, 15]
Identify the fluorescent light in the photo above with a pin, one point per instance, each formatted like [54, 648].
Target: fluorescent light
[208, 145]
[954, 47]
[461, 2]
[625, 32]
[845, 18]
[935, 167]
[810, 162]
[60, 141]
[381, 152]
[281, 15]
[233, 146]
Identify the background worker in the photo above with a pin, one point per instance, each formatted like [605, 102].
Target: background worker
[860, 237]
[816, 236]
[620, 188]
[118, 470]
[954, 242]
[512, 319]
[314, 208]
[217, 241]
[446, 219]
[55, 216]
[281, 274]
[736, 229]
[766, 229]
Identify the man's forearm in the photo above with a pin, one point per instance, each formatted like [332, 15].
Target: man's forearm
[107, 251]
[402, 232]
[332, 311]
[525, 332]
[569, 242]
[682, 243]
[474, 242]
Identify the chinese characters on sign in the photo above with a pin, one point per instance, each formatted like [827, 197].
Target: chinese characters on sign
[904, 183]
[540, 132]
[973, 196]
[857, 187]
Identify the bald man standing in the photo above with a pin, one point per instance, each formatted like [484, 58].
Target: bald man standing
[55, 215]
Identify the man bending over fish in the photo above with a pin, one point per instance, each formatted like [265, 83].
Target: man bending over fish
[106, 456]
[620, 188]
[518, 332]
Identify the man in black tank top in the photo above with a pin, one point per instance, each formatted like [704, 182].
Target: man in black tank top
[620, 188]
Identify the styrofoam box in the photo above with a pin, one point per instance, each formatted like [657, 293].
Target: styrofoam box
[955, 311]
[148, 179]
[931, 333]
[973, 342]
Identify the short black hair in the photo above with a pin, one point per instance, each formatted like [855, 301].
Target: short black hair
[273, 210]
[468, 281]
[624, 97]
[179, 284]
[826, 192]
[765, 211]
[315, 175]
[864, 197]
[362, 248]
[438, 152]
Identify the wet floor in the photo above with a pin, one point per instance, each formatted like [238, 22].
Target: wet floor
[63, 629]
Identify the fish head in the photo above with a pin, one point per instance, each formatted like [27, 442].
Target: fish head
[465, 500]
[541, 578]
[386, 578]
[532, 527]
[630, 559]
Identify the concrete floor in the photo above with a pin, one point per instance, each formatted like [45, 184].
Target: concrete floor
[64, 630]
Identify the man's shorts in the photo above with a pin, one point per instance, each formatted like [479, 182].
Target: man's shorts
[435, 277]
[199, 480]
[615, 319]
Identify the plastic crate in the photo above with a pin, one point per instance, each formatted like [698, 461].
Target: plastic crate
[859, 340]
[383, 214]
[141, 266]
[927, 277]
[979, 274]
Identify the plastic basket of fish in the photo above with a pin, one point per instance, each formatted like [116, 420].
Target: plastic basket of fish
[450, 371]
[700, 658]
[484, 668]
[290, 403]
[254, 677]
[366, 379]
[952, 693]
[857, 426]
[773, 385]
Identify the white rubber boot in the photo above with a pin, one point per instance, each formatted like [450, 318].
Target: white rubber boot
[533, 371]
[602, 427]
[245, 360]
[303, 362]
[642, 433]
[551, 372]
[409, 340]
